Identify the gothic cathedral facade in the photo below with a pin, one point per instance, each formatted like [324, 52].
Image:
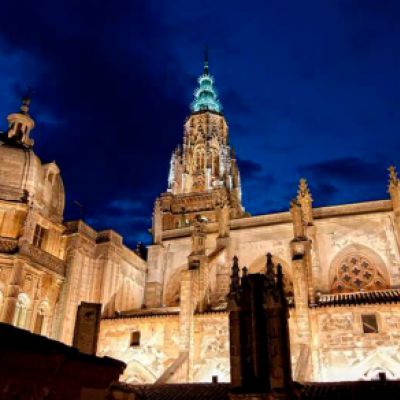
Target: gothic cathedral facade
[167, 318]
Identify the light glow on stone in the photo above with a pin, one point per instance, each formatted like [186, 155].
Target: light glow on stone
[206, 96]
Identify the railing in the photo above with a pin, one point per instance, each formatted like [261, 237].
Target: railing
[42, 257]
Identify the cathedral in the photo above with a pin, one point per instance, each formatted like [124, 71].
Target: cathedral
[167, 317]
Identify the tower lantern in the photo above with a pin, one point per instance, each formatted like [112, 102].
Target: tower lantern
[20, 125]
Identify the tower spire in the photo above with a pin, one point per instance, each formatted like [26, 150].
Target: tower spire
[206, 60]
[206, 96]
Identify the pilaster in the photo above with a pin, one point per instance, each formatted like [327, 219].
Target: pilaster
[304, 295]
[11, 293]
[188, 301]
[155, 277]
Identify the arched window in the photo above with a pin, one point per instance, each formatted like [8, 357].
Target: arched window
[358, 269]
[199, 160]
[41, 319]
[21, 311]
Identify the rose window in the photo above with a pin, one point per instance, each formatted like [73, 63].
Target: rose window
[356, 272]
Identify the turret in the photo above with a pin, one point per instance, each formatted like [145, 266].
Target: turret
[20, 125]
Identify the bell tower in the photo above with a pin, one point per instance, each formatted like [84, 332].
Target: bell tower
[204, 175]
[203, 184]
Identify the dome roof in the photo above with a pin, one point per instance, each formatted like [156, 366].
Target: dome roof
[23, 177]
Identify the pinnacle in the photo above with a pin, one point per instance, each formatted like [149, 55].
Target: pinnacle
[303, 190]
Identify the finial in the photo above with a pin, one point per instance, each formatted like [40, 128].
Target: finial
[269, 271]
[206, 60]
[303, 190]
[26, 101]
[244, 271]
[270, 265]
[305, 199]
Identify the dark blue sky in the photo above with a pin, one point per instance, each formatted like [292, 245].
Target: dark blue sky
[309, 88]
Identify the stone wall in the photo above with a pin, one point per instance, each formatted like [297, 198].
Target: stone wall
[345, 352]
[160, 344]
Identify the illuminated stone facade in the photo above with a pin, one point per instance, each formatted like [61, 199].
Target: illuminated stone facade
[167, 318]
[47, 267]
[340, 264]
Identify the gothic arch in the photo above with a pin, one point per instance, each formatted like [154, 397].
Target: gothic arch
[42, 317]
[258, 266]
[136, 372]
[199, 158]
[214, 161]
[357, 268]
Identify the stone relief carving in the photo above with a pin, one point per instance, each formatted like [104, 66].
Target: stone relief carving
[393, 322]
[215, 339]
[336, 322]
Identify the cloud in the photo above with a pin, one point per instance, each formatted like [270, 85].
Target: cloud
[348, 170]
[248, 168]
[113, 82]
[126, 205]
[347, 179]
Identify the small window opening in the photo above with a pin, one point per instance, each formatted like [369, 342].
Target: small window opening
[135, 338]
[369, 323]
[39, 236]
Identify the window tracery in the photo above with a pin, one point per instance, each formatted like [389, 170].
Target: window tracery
[356, 272]
[199, 159]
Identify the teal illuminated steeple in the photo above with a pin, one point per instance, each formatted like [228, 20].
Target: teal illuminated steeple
[205, 96]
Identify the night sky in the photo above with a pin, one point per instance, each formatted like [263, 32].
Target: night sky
[309, 89]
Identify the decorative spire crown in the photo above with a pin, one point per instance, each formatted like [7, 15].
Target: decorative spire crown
[303, 190]
[206, 96]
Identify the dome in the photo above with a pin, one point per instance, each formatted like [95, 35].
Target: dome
[23, 177]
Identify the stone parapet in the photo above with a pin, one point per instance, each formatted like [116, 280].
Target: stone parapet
[8, 246]
[43, 258]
